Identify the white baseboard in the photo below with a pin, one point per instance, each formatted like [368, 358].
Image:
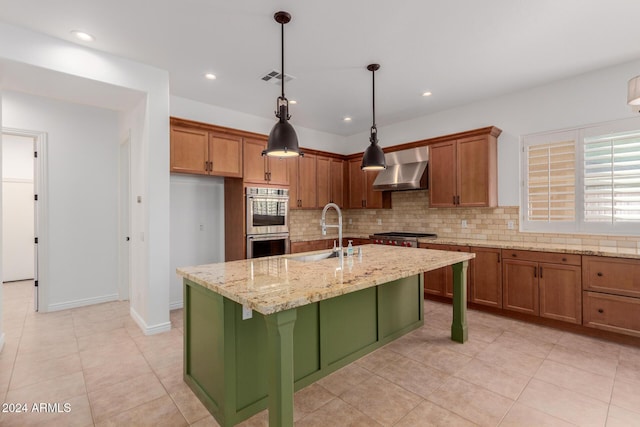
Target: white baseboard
[176, 305]
[149, 330]
[82, 302]
[1, 341]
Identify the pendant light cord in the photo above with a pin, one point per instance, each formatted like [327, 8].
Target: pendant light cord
[373, 80]
[282, 56]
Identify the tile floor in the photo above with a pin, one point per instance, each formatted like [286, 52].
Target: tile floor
[509, 373]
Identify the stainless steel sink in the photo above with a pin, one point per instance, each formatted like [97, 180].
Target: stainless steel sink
[317, 257]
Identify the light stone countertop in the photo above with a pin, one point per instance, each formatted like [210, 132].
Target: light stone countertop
[272, 284]
[633, 253]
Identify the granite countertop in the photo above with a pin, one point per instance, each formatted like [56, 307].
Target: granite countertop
[272, 284]
[331, 237]
[543, 247]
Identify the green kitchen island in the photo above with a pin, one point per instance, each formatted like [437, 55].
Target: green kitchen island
[257, 330]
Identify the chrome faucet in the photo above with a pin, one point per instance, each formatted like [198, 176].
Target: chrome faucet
[338, 226]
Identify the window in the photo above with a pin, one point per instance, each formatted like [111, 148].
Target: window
[583, 180]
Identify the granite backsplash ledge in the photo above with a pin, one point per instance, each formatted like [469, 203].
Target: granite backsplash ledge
[411, 212]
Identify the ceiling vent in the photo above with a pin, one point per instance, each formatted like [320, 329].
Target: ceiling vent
[275, 76]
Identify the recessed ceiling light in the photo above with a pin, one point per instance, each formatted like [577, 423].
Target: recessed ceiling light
[210, 76]
[85, 37]
[426, 93]
[346, 119]
[293, 101]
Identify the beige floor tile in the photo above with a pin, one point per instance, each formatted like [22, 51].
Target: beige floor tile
[168, 357]
[428, 414]
[584, 382]
[628, 371]
[188, 404]
[113, 337]
[36, 340]
[109, 401]
[482, 332]
[157, 413]
[115, 371]
[524, 344]
[523, 416]
[602, 364]
[620, 417]
[345, 378]
[381, 357]
[261, 419]
[542, 333]
[44, 352]
[493, 378]
[626, 395]
[471, 402]
[565, 404]
[160, 342]
[413, 376]
[382, 400]
[83, 329]
[27, 373]
[309, 399]
[107, 354]
[440, 358]
[54, 390]
[337, 412]
[208, 421]
[78, 415]
[590, 345]
[510, 360]
[470, 348]
[629, 354]
[170, 375]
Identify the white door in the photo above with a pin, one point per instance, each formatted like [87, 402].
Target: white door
[124, 219]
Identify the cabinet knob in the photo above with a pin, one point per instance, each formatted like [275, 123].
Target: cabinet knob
[514, 255]
[600, 310]
[600, 274]
[564, 260]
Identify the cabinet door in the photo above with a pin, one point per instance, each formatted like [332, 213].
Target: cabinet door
[356, 184]
[336, 182]
[294, 195]
[307, 184]
[254, 162]
[373, 199]
[323, 169]
[485, 278]
[225, 155]
[442, 174]
[473, 172]
[520, 291]
[189, 151]
[278, 171]
[440, 281]
[560, 292]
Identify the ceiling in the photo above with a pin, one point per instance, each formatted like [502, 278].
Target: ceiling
[460, 50]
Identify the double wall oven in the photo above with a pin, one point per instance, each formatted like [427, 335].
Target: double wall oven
[267, 221]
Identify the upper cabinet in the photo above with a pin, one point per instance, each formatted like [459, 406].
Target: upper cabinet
[361, 194]
[303, 182]
[263, 170]
[330, 172]
[463, 172]
[202, 152]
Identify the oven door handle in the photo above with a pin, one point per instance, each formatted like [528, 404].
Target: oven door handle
[274, 236]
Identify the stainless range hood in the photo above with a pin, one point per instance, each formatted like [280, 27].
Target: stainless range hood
[406, 170]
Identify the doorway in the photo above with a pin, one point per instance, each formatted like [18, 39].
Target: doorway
[124, 207]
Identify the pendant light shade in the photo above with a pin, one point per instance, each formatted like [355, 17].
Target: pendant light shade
[373, 158]
[283, 141]
[633, 91]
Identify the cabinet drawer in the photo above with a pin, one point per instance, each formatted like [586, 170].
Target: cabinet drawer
[612, 275]
[612, 313]
[550, 257]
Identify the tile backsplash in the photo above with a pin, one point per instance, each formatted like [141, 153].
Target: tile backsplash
[411, 212]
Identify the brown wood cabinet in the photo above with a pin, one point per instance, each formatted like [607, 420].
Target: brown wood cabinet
[440, 282]
[535, 286]
[202, 152]
[611, 294]
[311, 245]
[263, 170]
[303, 182]
[330, 172]
[485, 277]
[361, 193]
[463, 172]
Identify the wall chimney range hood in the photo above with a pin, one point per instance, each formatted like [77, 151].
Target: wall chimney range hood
[406, 170]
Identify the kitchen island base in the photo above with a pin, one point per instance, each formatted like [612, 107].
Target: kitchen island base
[228, 360]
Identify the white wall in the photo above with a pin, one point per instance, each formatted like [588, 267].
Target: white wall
[2, 335]
[82, 186]
[589, 98]
[197, 225]
[17, 208]
[308, 138]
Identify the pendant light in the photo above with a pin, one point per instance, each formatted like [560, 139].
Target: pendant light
[373, 158]
[283, 141]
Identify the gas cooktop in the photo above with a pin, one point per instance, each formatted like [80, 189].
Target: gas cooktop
[405, 234]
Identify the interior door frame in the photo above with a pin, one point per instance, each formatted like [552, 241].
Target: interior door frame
[124, 218]
[41, 214]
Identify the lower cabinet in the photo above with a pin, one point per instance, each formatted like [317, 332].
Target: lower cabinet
[440, 282]
[318, 245]
[543, 284]
[485, 277]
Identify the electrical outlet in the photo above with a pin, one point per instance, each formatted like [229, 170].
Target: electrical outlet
[510, 225]
[464, 223]
[350, 221]
[379, 221]
[247, 313]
